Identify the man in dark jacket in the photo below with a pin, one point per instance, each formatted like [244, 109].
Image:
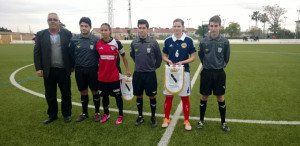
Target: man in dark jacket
[53, 62]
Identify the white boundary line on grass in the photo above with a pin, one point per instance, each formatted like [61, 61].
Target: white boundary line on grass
[176, 115]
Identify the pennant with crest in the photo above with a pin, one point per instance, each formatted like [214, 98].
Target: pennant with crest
[126, 87]
[174, 79]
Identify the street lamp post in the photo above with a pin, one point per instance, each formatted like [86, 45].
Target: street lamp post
[297, 31]
[188, 22]
[188, 19]
[284, 26]
[249, 21]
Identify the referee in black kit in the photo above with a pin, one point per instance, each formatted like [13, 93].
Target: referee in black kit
[214, 53]
[83, 51]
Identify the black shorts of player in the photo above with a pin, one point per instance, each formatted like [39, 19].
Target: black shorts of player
[86, 76]
[212, 80]
[144, 81]
[109, 88]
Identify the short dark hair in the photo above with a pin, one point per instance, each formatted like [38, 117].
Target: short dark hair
[215, 19]
[179, 20]
[86, 20]
[143, 21]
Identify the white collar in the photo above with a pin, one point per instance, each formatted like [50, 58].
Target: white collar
[182, 37]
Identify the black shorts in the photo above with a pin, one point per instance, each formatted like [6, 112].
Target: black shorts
[144, 81]
[86, 76]
[109, 88]
[212, 80]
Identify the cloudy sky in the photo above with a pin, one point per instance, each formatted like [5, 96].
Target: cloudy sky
[25, 15]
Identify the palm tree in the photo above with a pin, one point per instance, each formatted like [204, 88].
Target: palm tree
[264, 18]
[255, 16]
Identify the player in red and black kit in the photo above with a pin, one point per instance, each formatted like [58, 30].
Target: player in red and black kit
[108, 75]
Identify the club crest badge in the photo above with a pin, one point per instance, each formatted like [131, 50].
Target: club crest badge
[113, 47]
[148, 50]
[219, 50]
[183, 45]
[91, 47]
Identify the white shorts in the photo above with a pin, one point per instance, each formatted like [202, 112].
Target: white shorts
[186, 91]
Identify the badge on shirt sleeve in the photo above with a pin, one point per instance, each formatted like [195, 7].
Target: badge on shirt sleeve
[148, 50]
[91, 47]
[219, 50]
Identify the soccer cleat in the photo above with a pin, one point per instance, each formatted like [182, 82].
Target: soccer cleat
[225, 127]
[105, 117]
[68, 119]
[139, 121]
[81, 117]
[119, 120]
[200, 124]
[49, 120]
[97, 117]
[187, 125]
[166, 123]
[153, 122]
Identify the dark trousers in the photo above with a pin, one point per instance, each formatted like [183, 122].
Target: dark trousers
[60, 77]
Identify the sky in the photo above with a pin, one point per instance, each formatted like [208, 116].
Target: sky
[31, 15]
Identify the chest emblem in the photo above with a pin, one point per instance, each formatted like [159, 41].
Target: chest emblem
[113, 48]
[148, 50]
[219, 50]
[78, 46]
[171, 46]
[206, 50]
[183, 45]
[91, 47]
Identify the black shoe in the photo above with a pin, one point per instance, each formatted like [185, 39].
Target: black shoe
[153, 122]
[225, 127]
[49, 120]
[139, 121]
[68, 119]
[82, 117]
[200, 124]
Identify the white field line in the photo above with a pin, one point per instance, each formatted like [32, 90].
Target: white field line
[16, 84]
[168, 133]
[262, 52]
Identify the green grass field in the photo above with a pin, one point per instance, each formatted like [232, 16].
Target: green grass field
[263, 83]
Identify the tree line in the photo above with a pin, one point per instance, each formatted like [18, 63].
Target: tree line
[271, 15]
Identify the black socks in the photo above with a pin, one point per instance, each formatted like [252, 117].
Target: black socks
[139, 104]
